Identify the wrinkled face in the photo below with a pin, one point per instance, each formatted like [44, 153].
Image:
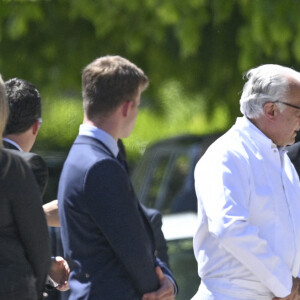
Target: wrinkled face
[288, 121]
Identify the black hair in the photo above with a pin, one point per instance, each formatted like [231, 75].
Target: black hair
[25, 106]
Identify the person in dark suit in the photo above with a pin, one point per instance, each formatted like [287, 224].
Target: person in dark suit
[21, 130]
[35, 162]
[25, 107]
[25, 249]
[105, 232]
[24, 122]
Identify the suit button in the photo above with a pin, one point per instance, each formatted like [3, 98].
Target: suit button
[87, 275]
[155, 253]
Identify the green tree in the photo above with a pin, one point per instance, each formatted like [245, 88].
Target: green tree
[202, 45]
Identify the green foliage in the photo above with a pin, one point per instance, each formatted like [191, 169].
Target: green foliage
[61, 120]
[183, 116]
[200, 48]
[63, 115]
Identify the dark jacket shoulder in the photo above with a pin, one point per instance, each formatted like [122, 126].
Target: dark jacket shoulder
[294, 155]
[37, 165]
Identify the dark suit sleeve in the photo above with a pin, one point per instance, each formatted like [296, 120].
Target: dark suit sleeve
[294, 155]
[167, 272]
[115, 209]
[155, 220]
[31, 223]
[162, 259]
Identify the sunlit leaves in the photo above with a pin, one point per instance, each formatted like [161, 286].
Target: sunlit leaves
[19, 17]
[203, 45]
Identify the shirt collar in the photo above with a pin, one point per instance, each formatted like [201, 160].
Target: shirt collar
[13, 143]
[100, 135]
[255, 134]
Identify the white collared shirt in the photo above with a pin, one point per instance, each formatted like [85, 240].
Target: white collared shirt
[100, 135]
[247, 243]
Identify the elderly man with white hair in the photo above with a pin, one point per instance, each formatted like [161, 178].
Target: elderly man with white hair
[247, 243]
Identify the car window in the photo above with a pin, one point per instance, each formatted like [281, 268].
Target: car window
[162, 179]
[175, 178]
[154, 183]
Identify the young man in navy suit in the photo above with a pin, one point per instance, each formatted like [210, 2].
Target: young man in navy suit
[105, 232]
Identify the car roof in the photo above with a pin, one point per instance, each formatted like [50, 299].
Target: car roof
[184, 140]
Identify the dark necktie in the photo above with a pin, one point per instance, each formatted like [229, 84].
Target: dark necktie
[123, 162]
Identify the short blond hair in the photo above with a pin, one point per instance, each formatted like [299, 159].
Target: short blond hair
[3, 109]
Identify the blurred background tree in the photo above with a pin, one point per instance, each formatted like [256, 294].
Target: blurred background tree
[194, 52]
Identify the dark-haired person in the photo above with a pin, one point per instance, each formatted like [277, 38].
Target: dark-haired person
[25, 108]
[105, 233]
[25, 114]
[25, 119]
[25, 249]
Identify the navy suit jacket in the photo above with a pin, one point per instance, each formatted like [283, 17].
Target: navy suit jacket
[105, 233]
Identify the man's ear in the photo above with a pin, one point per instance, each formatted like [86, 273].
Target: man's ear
[270, 110]
[35, 127]
[126, 107]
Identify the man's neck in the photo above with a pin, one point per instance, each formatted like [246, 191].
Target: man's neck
[108, 125]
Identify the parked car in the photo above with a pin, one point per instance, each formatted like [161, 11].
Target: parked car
[164, 179]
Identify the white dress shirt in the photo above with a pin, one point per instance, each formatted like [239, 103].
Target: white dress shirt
[247, 243]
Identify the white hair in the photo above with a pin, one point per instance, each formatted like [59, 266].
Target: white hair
[266, 83]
